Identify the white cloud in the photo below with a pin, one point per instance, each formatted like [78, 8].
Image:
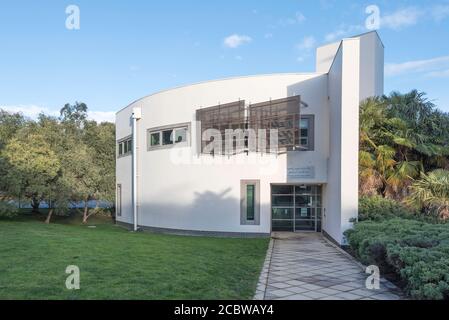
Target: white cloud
[307, 43]
[438, 74]
[297, 19]
[33, 111]
[236, 40]
[440, 12]
[401, 18]
[102, 116]
[430, 65]
[300, 17]
[268, 35]
[342, 32]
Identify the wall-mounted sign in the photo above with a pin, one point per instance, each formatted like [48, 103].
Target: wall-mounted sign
[301, 173]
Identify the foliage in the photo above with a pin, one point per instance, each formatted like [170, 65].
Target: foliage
[59, 161]
[377, 208]
[417, 252]
[432, 193]
[402, 136]
[8, 210]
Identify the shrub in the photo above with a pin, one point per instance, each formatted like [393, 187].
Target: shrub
[8, 210]
[416, 251]
[377, 208]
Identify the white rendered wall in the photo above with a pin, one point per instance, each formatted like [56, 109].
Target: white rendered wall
[325, 56]
[206, 197]
[356, 73]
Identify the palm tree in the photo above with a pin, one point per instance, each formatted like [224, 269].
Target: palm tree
[384, 165]
[431, 192]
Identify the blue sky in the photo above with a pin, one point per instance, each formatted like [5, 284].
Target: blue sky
[127, 49]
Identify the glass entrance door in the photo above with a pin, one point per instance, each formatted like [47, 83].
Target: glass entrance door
[296, 207]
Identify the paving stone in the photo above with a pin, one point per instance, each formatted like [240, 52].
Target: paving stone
[279, 285]
[306, 267]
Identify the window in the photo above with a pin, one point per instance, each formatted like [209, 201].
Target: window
[250, 194]
[155, 139]
[307, 132]
[125, 147]
[169, 136]
[119, 200]
[250, 203]
[180, 135]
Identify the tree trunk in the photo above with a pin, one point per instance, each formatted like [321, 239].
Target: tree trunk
[86, 212]
[35, 205]
[50, 212]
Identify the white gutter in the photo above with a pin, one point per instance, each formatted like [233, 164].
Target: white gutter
[137, 114]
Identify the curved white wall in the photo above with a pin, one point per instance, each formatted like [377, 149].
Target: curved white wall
[206, 197]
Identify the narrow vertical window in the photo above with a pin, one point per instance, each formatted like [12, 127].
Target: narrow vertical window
[119, 200]
[307, 124]
[250, 202]
[120, 149]
[250, 195]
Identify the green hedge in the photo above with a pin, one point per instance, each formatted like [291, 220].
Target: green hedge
[418, 252]
[377, 208]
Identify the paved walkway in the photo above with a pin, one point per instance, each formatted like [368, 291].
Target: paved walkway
[305, 266]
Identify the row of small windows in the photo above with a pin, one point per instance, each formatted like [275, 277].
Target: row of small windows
[178, 135]
[167, 137]
[125, 147]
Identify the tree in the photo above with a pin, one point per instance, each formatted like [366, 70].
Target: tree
[74, 114]
[385, 167]
[32, 169]
[431, 192]
[10, 123]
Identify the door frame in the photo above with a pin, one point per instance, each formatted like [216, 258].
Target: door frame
[294, 206]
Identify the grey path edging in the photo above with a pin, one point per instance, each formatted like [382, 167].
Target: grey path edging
[263, 278]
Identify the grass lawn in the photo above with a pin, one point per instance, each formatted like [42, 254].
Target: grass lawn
[117, 264]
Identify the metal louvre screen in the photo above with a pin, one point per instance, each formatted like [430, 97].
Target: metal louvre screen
[219, 118]
[281, 114]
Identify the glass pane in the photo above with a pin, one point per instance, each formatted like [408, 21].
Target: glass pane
[282, 225]
[180, 135]
[120, 149]
[304, 213]
[303, 189]
[282, 213]
[155, 139]
[305, 225]
[318, 226]
[317, 201]
[125, 147]
[282, 201]
[250, 202]
[318, 213]
[167, 137]
[304, 123]
[130, 145]
[303, 201]
[282, 189]
[304, 133]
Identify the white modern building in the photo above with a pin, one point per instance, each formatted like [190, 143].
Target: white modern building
[300, 175]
